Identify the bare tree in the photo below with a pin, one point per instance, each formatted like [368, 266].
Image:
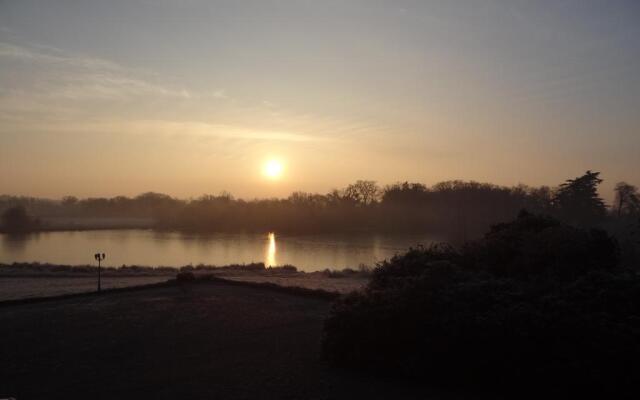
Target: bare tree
[363, 192]
[627, 199]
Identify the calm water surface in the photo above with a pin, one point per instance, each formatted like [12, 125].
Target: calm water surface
[147, 247]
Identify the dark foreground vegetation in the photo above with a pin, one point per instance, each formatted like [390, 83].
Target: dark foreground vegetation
[462, 209]
[536, 305]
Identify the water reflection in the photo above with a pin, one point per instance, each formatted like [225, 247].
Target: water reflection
[145, 247]
[16, 242]
[270, 257]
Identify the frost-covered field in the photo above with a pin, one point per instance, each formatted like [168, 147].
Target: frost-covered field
[12, 288]
[313, 280]
[18, 281]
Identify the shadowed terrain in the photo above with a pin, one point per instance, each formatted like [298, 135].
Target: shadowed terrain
[205, 340]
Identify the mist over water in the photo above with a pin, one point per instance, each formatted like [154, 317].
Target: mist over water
[152, 248]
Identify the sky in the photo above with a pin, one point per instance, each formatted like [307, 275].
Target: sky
[105, 98]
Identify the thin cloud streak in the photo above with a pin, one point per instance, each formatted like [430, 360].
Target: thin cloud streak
[54, 56]
[82, 78]
[171, 129]
[69, 87]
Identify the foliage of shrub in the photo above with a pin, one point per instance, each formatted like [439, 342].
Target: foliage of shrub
[534, 303]
[541, 247]
[185, 276]
[290, 269]
[362, 271]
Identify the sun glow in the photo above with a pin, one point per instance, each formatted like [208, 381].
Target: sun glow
[273, 169]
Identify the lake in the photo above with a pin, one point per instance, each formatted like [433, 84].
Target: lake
[154, 248]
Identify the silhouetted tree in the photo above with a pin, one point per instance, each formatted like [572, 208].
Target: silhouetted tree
[16, 219]
[363, 192]
[539, 199]
[69, 201]
[577, 200]
[627, 199]
[404, 194]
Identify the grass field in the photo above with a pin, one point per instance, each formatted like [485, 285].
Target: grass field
[207, 340]
[45, 280]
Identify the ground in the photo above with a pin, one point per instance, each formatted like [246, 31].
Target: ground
[22, 287]
[21, 282]
[204, 340]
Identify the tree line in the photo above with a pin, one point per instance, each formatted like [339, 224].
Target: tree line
[464, 209]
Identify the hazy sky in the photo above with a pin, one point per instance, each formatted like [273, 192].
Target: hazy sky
[100, 98]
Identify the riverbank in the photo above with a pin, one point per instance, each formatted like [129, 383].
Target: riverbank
[187, 341]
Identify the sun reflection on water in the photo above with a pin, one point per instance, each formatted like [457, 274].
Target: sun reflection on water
[270, 256]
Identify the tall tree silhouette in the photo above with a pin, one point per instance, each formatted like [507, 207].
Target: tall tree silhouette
[627, 199]
[577, 200]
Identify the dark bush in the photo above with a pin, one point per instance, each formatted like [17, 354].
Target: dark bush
[541, 247]
[251, 267]
[289, 269]
[185, 276]
[486, 315]
[411, 264]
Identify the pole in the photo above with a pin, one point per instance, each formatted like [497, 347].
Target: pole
[99, 257]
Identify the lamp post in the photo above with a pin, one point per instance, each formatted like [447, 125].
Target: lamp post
[99, 257]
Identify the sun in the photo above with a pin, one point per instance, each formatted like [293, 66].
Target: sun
[273, 169]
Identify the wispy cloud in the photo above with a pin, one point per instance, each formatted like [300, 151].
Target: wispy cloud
[166, 128]
[161, 127]
[115, 87]
[79, 77]
[63, 92]
[220, 94]
[51, 55]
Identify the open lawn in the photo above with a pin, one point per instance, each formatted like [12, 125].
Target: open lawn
[203, 340]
